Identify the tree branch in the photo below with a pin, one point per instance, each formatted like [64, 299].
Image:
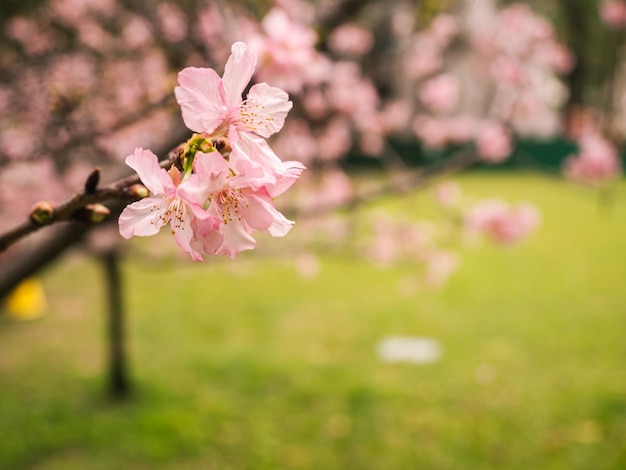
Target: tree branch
[74, 208]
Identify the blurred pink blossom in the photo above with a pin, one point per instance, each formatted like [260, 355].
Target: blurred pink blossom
[596, 162]
[172, 20]
[443, 28]
[439, 132]
[395, 116]
[384, 249]
[30, 35]
[447, 193]
[315, 103]
[334, 189]
[351, 39]
[296, 142]
[285, 49]
[432, 132]
[613, 13]
[351, 93]
[501, 222]
[136, 32]
[425, 56]
[440, 94]
[429, 131]
[493, 142]
[335, 139]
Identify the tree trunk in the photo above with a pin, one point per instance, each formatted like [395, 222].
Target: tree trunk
[118, 379]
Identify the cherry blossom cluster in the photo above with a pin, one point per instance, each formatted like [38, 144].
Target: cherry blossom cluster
[502, 222]
[596, 163]
[516, 78]
[229, 175]
[613, 13]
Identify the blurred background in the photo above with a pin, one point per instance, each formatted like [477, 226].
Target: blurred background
[451, 295]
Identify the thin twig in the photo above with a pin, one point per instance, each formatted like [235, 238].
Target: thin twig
[67, 211]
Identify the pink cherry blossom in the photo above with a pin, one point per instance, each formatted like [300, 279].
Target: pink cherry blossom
[501, 222]
[425, 56]
[286, 48]
[234, 202]
[596, 163]
[613, 13]
[296, 141]
[214, 105]
[351, 39]
[493, 143]
[443, 28]
[440, 94]
[171, 203]
[251, 153]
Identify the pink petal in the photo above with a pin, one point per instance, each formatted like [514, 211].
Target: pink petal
[201, 99]
[207, 236]
[292, 171]
[237, 73]
[141, 218]
[270, 106]
[210, 176]
[237, 238]
[249, 175]
[279, 175]
[183, 234]
[257, 214]
[146, 164]
[261, 210]
[256, 150]
[213, 168]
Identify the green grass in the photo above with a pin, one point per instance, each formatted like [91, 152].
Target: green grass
[246, 365]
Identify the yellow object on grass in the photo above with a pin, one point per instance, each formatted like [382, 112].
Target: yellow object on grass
[27, 301]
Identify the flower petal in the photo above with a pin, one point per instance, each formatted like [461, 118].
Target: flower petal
[146, 164]
[256, 213]
[261, 210]
[237, 238]
[291, 172]
[266, 108]
[141, 218]
[279, 175]
[201, 99]
[210, 176]
[183, 234]
[237, 73]
[207, 236]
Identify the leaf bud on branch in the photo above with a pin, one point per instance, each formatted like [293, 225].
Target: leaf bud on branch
[42, 213]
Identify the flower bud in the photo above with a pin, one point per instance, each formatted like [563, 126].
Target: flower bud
[91, 184]
[92, 213]
[98, 212]
[42, 213]
[137, 191]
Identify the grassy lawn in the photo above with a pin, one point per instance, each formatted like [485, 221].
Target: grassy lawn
[247, 365]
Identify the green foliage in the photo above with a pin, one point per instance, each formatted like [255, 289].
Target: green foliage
[245, 365]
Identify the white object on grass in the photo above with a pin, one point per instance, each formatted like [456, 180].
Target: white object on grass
[409, 349]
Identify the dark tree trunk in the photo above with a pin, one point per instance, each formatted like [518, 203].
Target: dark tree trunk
[118, 378]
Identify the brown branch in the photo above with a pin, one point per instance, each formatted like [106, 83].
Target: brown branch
[74, 208]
